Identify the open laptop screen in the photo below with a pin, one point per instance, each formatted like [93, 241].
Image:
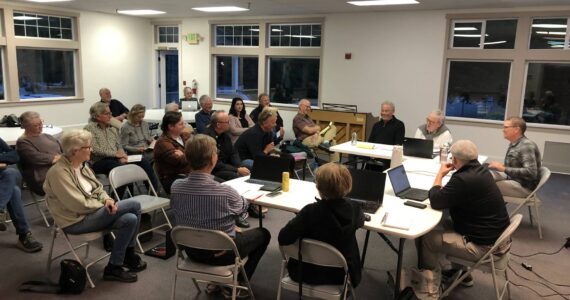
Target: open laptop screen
[270, 168]
[189, 105]
[399, 179]
[367, 185]
[418, 147]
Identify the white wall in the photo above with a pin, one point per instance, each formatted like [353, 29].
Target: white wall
[116, 53]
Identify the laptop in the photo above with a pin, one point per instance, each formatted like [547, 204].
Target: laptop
[418, 148]
[268, 171]
[367, 189]
[401, 185]
[189, 105]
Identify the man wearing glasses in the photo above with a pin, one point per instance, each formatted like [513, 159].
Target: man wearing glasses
[435, 130]
[519, 175]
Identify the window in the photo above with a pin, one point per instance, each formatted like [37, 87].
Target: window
[45, 73]
[498, 34]
[236, 76]
[477, 90]
[167, 34]
[42, 26]
[547, 93]
[281, 59]
[237, 35]
[292, 79]
[295, 35]
[548, 33]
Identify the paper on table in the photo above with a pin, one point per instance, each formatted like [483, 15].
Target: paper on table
[365, 146]
[245, 189]
[134, 158]
[395, 220]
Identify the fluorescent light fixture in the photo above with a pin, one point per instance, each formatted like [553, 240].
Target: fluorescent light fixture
[553, 38]
[469, 35]
[139, 12]
[549, 26]
[276, 30]
[220, 8]
[47, 1]
[494, 43]
[555, 42]
[552, 32]
[464, 28]
[254, 29]
[26, 18]
[301, 36]
[556, 46]
[382, 2]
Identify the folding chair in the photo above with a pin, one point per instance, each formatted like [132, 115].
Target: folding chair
[130, 173]
[206, 239]
[531, 200]
[85, 238]
[489, 262]
[321, 254]
[37, 202]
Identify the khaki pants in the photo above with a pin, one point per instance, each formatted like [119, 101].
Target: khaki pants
[313, 142]
[509, 187]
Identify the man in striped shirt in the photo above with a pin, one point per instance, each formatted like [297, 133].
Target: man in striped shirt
[201, 202]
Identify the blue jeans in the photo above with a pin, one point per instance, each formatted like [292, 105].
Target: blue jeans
[248, 163]
[125, 225]
[11, 198]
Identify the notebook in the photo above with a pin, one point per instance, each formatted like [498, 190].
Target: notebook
[268, 171]
[418, 148]
[401, 185]
[189, 105]
[367, 189]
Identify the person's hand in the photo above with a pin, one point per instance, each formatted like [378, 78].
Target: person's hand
[120, 154]
[268, 148]
[497, 166]
[55, 158]
[445, 168]
[3, 166]
[121, 117]
[111, 206]
[123, 160]
[178, 153]
[141, 149]
[243, 171]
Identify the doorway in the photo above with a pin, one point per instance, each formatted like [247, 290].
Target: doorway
[168, 90]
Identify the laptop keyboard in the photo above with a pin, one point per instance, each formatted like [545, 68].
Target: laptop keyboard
[417, 194]
[369, 207]
[260, 181]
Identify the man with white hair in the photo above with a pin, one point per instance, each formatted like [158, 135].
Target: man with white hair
[118, 110]
[477, 210]
[204, 116]
[309, 133]
[435, 130]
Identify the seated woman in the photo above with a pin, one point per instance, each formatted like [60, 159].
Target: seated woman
[169, 159]
[135, 133]
[332, 220]
[38, 151]
[239, 119]
[107, 150]
[79, 204]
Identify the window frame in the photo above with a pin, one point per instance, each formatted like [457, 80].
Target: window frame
[11, 43]
[566, 36]
[264, 52]
[157, 34]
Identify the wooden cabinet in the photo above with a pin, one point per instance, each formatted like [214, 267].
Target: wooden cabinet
[346, 123]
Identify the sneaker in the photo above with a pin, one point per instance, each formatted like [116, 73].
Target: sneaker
[28, 243]
[241, 220]
[3, 226]
[451, 275]
[134, 263]
[117, 273]
[240, 293]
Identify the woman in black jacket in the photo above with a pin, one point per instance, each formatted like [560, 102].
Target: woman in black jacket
[332, 220]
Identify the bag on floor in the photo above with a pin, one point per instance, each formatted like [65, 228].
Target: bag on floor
[72, 280]
[426, 284]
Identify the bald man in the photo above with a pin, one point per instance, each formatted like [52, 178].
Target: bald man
[118, 110]
[309, 133]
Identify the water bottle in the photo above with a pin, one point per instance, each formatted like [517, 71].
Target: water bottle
[353, 141]
[443, 152]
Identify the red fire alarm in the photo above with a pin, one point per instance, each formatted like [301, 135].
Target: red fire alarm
[347, 55]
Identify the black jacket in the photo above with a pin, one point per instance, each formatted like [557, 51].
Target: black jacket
[475, 204]
[255, 114]
[228, 159]
[331, 221]
[252, 142]
[391, 133]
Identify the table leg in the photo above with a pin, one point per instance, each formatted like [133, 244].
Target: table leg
[260, 216]
[364, 248]
[304, 168]
[399, 268]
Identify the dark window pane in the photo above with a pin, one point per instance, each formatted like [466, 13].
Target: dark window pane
[547, 94]
[169, 39]
[66, 23]
[169, 30]
[255, 32]
[219, 30]
[274, 41]
[220, 40]
[229, 30]
[31, 22]
[54, 22]
[467, 35]
[45, 73]
[162, 39]
[548, 33]
[285, 41]
[43, 21]
[66, 34]
[236, 76]
[55, 33]
[305, 41]
[238, 41]
[316, 42]
[305, 29]
[285, 30]
[500, 34]
[20, 30]
[478, 89]
[161, 30]
[43, 32]
[32, 31]
[295, 30]
[247, 41]
[292, 79]
[316, 29]
[238, 30]
[175, 39]
[175, 30]
[18, 21]
[229, 41]
[295, 41]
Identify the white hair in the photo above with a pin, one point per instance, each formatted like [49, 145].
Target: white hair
[464, 150]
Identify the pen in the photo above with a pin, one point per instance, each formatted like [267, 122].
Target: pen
[384, 218]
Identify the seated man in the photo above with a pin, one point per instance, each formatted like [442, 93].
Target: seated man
[118, 110]
[201, 202]
[435, 130]
[205, 114]
[476, 207]
[388, 130]
[519, 175]
[278, 131]
[188, 93]
[309, 133]
[258, 140]
[11, 199]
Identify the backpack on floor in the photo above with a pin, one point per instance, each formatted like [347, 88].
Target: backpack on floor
[72, 280]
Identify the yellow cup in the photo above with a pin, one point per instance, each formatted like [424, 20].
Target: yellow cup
[285, 182]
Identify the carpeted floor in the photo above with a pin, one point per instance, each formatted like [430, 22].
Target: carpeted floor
[156, 282]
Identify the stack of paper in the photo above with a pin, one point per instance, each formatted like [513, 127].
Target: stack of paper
[395, 220]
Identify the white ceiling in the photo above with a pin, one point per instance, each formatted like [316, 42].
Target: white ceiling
[182, 8]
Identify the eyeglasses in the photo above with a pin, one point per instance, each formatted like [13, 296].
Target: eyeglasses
[87, 147]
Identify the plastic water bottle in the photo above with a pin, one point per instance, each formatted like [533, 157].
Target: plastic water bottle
[353, 141]
[443, 152]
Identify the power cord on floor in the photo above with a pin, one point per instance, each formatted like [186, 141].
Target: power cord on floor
[529, 268]
[539, 253]
[538, 282]
[537, 293]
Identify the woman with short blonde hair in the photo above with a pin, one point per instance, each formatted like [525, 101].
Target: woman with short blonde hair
[135, 133]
